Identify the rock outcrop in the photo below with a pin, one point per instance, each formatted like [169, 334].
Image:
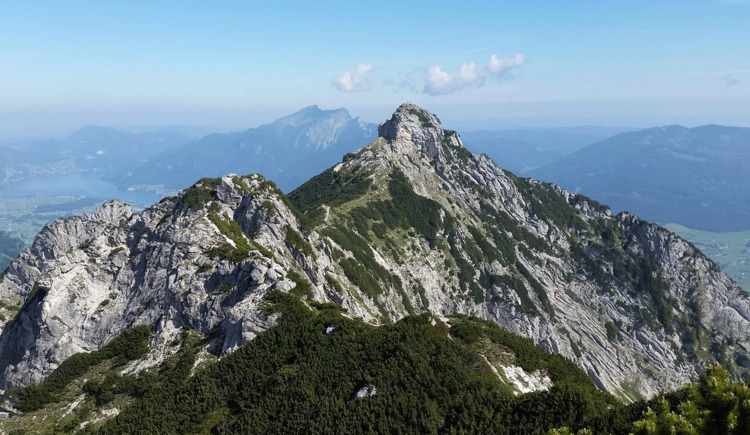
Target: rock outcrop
[412, 222]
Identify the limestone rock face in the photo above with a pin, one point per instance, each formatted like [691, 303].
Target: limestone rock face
[412, 222]
[87, 278]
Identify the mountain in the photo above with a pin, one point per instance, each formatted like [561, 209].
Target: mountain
[290, 150]
[517, 157]
[319, 371]
[410, 223]
[697, 177]
[522, 150]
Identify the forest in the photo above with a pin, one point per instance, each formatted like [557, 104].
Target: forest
[319, 371]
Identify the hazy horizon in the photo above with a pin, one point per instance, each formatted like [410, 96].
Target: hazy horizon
[232, 66]
[62, 124]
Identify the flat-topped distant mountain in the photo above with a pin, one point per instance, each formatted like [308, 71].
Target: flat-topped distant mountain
[697, 177]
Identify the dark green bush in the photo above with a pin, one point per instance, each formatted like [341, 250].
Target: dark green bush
[129, 345]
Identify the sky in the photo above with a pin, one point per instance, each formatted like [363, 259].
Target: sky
[231, 65]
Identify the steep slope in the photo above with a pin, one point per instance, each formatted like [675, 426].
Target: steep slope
[630, 302]
[412, 222]
[697, 177]
[289, 150]
[87, 278]
[319, 371]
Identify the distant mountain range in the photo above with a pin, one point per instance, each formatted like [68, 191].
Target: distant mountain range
[521, 150]
[289, 150]
[697, 177]
[102, 150]
[411, 226]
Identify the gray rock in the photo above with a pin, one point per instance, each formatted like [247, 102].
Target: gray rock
[571, 290]
[366, 392]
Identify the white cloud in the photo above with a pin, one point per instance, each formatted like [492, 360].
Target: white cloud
[354, 80]
[440, 82]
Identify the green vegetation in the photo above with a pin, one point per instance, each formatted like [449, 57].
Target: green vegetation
[335, 284]
[113, 253]
[362, 270]
[539, 290]
[129, 345]
[303, 287]
[36, 294]
[411, 210]
[405, 210]
[500, 222]
[424, 120]
[242, 185]
[515, 284]
[232, 231]
[242, 243]
[269, 207]
[548, 205]
[302, 376]
[294, 239]
[331, 188]
[200, 193]
[295, 378]
[613, 332]
[713, 406]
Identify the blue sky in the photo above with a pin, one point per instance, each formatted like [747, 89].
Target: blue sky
[237, 64]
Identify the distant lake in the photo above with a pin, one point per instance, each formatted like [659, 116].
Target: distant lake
[78, 184]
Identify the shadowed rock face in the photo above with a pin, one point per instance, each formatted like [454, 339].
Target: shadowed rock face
[411, 222]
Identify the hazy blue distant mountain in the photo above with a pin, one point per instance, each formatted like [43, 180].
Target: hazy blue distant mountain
[698, 177]
[106, 151]
[289, 150]
[410, 224]
[522, 150]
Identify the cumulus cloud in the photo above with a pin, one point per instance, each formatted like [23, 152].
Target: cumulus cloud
[355, 80]
[440, 82]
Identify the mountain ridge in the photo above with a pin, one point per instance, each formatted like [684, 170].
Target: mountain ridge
[412, 222]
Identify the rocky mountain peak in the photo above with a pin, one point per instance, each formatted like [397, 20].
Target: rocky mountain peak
[411, 223]
[310, 115]
[411, 126]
